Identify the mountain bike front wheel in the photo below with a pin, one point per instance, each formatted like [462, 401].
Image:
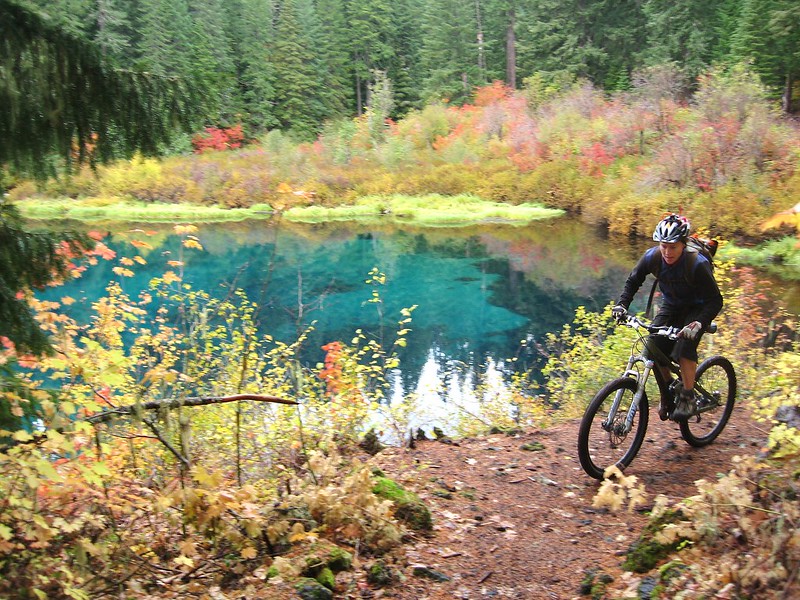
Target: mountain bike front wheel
[715, 385]
[604, 443]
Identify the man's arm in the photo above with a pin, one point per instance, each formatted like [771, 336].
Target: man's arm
[636, 278]
[708, 290]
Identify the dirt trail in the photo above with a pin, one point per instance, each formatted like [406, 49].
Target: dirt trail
[514, 523]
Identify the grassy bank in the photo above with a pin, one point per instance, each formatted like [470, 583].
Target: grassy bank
[430, 210]
[92, 209]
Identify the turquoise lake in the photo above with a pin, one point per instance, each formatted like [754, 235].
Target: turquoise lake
[479, 291]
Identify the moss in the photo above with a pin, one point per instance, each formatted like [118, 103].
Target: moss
[379, 574]
[532, 447]
[311, 589]
[322, 555]
[594, 584]
[339, 559]
[409, 509]
[646, 552]
[325, 577]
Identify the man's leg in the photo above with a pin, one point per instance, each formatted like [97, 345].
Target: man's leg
[688, 371]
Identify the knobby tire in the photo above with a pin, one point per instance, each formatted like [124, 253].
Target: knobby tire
[714, 374]
[599, 449]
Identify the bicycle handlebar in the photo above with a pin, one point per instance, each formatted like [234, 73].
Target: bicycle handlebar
[662, 330]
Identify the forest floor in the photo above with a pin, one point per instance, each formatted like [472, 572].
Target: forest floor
[511, 522]
[515, 523]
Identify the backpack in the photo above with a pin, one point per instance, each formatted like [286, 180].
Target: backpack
[694, 245]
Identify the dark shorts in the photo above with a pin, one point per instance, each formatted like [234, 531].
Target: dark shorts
[681, 348]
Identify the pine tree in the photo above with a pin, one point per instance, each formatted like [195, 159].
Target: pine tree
[298, 105]
[62, 102]
[686, 32]
[111, 29]
[333, 49]
[451, 56]
[252, 21]
[29, 261]
[370, 26]
[768, 34]
[211, 60]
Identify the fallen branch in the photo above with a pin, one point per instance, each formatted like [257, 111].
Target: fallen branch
[168, 403]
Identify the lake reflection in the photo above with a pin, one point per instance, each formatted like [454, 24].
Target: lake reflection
[479, 291]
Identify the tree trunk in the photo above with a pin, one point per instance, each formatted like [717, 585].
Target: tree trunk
[481, 47]
[786, 100]
[511, 50]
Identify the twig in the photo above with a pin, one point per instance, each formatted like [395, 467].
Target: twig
[107, 415]
[485, 577]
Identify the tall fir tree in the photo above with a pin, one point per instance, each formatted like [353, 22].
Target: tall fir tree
[298, 103]
[369, 24]
[333, 48]
[211, 60]
[451, 51]
[111, 29]
[768, 35]
[686, 33]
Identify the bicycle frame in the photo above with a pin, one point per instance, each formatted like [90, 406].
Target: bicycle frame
[641, 376]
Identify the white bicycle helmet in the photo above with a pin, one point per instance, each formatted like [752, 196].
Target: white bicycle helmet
[673, 228]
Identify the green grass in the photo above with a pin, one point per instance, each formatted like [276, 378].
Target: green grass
[780, 257]
[431, 210]
[140, 212]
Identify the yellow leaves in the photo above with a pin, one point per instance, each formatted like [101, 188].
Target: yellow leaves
[122, 272]
[787, 217]
[183, 561]
[193, 243]
[170, 277]
[206, 479]
[617, 490]
[249, 552]
[21, 435]
[184, 229]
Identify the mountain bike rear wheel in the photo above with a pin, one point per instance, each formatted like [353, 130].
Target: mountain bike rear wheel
[601, 444]
[715, 384]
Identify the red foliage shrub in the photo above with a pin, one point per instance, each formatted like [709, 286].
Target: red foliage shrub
[215, 138]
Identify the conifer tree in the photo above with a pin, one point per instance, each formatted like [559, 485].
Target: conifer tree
[29, 261]
[253, 21]
[62, 102]
[370, 27]
[451, 55]
[297, 102]
[686, 32]
[768, 34]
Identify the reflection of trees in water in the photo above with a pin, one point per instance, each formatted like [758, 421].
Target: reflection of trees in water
[479, 290]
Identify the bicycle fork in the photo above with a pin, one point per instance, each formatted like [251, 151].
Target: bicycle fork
[641, 380]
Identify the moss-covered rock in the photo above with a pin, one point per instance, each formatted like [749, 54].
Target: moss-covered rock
[379, 574]
[321, 555]
[532, 447]
[646, 552]
[326, 578]
[409, 509]
[594, 584]
[311, 589]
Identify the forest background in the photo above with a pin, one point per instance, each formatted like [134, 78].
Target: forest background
[167, 464]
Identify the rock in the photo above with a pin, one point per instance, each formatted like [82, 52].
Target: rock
[408, 507]
[428, 573]
[311, 589]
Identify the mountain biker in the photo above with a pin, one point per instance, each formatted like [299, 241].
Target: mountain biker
[690, 300]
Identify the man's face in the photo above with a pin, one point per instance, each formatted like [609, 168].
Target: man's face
[671, 251]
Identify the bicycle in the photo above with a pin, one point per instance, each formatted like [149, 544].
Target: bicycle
[615, 422]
